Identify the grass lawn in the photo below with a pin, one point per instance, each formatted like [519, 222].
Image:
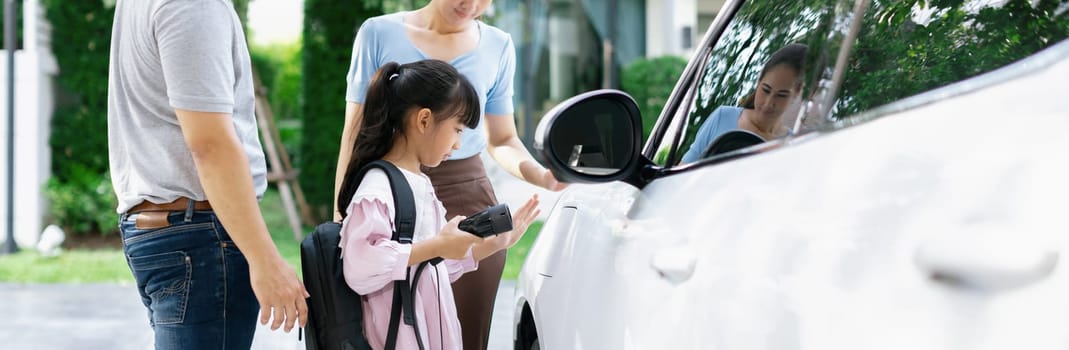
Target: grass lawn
[107, 264]
[278, 224]
[71, 266]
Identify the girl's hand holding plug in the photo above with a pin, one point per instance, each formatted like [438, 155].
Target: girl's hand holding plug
[452, 242]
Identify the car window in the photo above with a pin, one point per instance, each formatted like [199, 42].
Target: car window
[734, 73]
[905, 48]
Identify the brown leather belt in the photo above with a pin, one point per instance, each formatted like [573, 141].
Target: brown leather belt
[155, 216]
[180, 204]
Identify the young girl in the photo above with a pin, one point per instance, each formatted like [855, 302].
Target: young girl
[413, 116]
[450, 30]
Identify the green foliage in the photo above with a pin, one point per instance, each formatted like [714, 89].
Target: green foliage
[896, 57]
[903, 48]
[279, 226]
[83, 203]
[761, 27]
[650, 81]
[81, 42]
[390, 6]
[518, 253]
[108, 265]
[329, 29]
[76, 266]
[279, 67]
[81, 38]
[242, 8]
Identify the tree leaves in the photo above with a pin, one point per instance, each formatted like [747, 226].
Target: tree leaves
[896, 57]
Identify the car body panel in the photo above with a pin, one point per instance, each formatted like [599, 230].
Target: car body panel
[935, 227]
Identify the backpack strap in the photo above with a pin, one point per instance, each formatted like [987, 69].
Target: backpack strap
[404, 227]
[403, 201]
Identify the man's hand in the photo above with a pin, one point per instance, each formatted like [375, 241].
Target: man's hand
[223, 169]
[280, 293]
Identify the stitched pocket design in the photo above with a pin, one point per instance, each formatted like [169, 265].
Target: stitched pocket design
[165, 278]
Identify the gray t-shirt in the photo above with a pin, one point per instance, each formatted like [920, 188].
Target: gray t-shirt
[167, 55]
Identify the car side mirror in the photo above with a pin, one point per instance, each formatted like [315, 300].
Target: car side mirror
[592, 137]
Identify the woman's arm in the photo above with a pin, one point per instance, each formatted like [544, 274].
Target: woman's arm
[504, 145]
[354, 114]
[502, 141]
[704, 137]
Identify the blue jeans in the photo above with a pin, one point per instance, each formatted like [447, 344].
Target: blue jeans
[193, 280]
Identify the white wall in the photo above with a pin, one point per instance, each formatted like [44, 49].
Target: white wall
[665, 21]
[34, 68]
[707, 10]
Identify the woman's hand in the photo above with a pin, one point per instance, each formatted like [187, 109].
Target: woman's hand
[549, 182]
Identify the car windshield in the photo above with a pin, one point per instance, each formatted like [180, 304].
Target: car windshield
[905, 48]
[899, 49]
[743, 68]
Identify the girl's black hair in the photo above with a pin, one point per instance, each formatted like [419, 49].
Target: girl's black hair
[394, 92]
[792, 55]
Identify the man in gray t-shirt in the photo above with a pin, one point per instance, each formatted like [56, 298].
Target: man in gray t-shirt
[186, 163]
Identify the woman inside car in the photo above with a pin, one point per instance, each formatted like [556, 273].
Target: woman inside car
[778, 85]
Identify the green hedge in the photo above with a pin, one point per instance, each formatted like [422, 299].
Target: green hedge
[79, 192]
[81, 41]
[279, 66]
[650, 82]
[329, 29]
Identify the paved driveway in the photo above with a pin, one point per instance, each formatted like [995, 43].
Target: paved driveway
[107, 316]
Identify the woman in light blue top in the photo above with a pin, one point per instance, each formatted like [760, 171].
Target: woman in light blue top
[722, 120]
[762, 111]
[449, 30]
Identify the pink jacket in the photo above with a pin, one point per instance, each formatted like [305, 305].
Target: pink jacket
[371, 262]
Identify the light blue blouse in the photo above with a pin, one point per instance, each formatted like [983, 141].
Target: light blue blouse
[489, 68]
[722, 120]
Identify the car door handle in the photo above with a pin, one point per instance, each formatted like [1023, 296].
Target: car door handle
[675, 264]
[985, 264]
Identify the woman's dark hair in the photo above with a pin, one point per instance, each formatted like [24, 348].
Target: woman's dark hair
[792, 55]
[394, 92]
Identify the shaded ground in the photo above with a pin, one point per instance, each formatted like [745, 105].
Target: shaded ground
[110, 316]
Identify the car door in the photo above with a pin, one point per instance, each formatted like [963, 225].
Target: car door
[881, 222]
[613, 260]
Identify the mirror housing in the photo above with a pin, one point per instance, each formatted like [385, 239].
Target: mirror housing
[593, 137]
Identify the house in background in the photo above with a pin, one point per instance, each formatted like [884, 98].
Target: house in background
[566, 47]
[35, 66]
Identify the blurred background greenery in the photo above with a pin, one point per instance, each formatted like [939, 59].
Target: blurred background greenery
[304, 83]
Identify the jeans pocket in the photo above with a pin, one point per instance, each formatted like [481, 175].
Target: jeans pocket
[165, 279]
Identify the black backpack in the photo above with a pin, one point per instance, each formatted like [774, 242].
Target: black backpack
[335, 311]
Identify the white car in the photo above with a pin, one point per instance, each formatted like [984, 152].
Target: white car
[920, 201]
